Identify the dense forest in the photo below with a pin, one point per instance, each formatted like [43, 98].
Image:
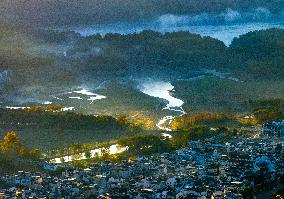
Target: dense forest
[177, 53]
[260, 54]
[58, 120]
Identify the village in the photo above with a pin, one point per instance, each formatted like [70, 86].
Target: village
[204, 169]
[142, 99]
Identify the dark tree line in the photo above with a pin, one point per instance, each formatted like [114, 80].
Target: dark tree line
[59, 120]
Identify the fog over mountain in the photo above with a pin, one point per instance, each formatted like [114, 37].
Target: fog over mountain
[224, 25]
[221, 19]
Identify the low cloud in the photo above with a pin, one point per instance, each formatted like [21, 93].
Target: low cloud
[229, 16]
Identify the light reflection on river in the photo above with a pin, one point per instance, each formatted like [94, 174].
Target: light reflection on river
[162, 90]
[113, 149]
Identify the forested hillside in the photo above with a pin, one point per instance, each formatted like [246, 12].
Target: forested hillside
[36, 64]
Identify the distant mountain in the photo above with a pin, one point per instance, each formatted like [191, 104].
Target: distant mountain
[146, 54]
[259, 54]
[178, 55]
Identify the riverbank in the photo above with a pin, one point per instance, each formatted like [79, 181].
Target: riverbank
[163, 90]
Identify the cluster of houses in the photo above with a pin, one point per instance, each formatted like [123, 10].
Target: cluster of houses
[275, 128]
[203, 170]
[3, 76]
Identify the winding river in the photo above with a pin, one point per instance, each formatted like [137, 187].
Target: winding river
[162, 90]
[155, 88]
[113, 149]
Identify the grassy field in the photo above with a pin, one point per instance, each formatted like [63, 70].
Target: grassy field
[215, 94]
[121, 99]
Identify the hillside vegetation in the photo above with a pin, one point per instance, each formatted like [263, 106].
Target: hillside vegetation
[41, 63]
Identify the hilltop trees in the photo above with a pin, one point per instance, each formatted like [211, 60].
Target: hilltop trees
[14, 155]
[276, 103]
[136, 121]
[182, 136]
[47, 118]
[145, 144]
[259, 38]
[267, 110]
[259, 54]
[11, 145]
[205, 118]
[267, 115]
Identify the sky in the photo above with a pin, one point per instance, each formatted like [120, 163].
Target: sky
[84, 12]
[221, 19]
